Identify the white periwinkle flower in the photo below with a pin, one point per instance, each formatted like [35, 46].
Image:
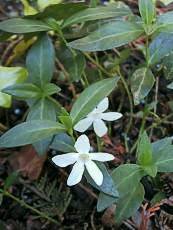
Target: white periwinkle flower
[96, 118]
[81, 160]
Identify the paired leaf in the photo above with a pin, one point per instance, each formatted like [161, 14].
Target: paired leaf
[41, 61]
[147, 11]
[42, 4]
[90, 98]
[30, 132]
[50, 89]
[142, 82]
[21, 26]
[100, 12]
[161, 46]
[8, 77]
[108, 36]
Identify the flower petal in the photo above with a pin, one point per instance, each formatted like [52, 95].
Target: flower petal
[111, 116]
[76, 174]
[82, 144]
[94, 172]
[64, 160]
[83, 125]
[101, 157]
[100, 127]
[103, 105]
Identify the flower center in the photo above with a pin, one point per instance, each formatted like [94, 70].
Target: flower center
[84, 157]
[96, 115]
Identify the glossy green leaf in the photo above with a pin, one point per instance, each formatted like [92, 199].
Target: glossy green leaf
[108, 187]
[21, 26]
[128, 205]
[8, 77]
[41, 61]
[160, 47]
[90, 98]
[63, 143]
[100, 12]
[30, 132]
[108, 36]
[142, 82]
[165, 22]
[125, 177]
[60, 11]
[163, 155]
[147, 11]
[74, 64]
[43, 109]
[23, 90]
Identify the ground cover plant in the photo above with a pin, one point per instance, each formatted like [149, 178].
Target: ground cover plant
[86, 114]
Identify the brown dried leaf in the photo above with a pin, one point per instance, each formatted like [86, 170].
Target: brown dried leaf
[28, 162]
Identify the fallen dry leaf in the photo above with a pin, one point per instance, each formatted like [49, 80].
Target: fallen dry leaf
[28, 162]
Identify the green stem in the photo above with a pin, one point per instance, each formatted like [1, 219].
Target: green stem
[22, 203]
[85, 79]
[99, 147]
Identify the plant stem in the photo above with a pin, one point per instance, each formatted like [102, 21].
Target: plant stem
[85, 79]
[22, 203]
[99, 147]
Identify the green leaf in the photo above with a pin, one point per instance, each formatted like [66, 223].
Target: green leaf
[125, 177]
[142, 82]
[30, 132]
[165, 22]
[50, 89]
[23, 90]
[163, 155]
[63, 143]
[166, 2]
[90, 98]
[21, 26]
[10, 180]
[108, 36]
[74, 64]
[145, 150]
[43, 109]
[41, 61]
[108, 187]
[147, 11]
[160, 47]
[167, 66]
[100, 12]
[8, 77]
[60, 11]
[128, 205]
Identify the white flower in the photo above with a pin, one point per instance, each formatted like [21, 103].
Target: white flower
[96, 118]
[82, 159]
